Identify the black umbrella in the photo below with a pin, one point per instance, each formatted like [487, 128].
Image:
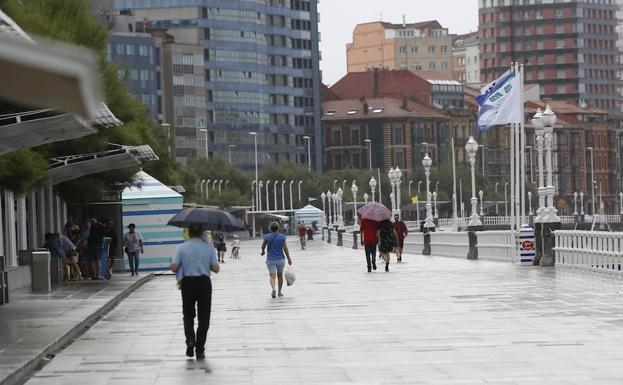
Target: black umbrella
[209, 219]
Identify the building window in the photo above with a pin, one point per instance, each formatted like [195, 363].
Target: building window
[403, 49]
[399, 159]
[444, 65]
[561, 89]
[443, 49]
[431, 65]
[431, 49]
[120, 49]
[398, 135]
[414, 50]
[129, 49]
[337, 137]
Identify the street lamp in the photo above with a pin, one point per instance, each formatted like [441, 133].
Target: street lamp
[275, 187]
[267, 196]
[410, 188]
[549, 119]
[482, 212]
[300, 183]
[229, 151]
[201, 184]
[436, 215]
[207, 188]
[353, 190]
[427, 163]
[257, 194]
[283, 196]
[291, 202]
[575, 203]
[369, 142]
[505, 200]
[214, 184]
[372, 184]
[206, 146]
[592, 180]
[531, 164]
[330, 204]
[392, 182]
[323, 196]
[340, 218]
[497, 212]
[582, 204]
[621, 204]
[365, 197]
[334, 183]
[344, 185]
[220, 183]
[398, 176]
[253, 189]
[417, 202]
[308, 139]
[530, 213]
[472, 148]
[538, 125]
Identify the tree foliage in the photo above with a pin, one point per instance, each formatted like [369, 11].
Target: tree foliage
[72, 21]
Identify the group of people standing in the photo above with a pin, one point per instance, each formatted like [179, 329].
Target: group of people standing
[385, 235]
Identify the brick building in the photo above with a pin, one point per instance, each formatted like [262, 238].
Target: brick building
[566, 46]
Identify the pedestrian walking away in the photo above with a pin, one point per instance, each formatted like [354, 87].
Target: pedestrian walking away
[235, 248]
[196, 260]
[220, 246]
[133, 247]
[401, 232]
[368, 229]
[94, 247]
[275, 244]
[387, 239]
[302, 231]
[111, 233]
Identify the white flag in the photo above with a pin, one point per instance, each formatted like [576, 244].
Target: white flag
[501, 102]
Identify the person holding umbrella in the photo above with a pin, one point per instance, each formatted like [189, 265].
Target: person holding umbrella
[196, 259]
[275, 260]
[371, 214]
[387, 239]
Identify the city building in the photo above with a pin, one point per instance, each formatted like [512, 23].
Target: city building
[414, 46]
[137, 56]
[466, 59]
[385, 128]
[260, 73]
[566, 46]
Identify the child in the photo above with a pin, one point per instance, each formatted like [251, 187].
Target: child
[235, 248]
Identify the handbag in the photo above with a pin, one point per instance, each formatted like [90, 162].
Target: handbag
[290, 276]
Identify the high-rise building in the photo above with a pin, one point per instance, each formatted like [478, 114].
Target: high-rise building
[415, 46]
[466, 59]
[568, 47]
[260, 73]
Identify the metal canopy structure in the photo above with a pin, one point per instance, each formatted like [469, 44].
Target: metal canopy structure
[34, 128]
[54, 74]
[64, 169]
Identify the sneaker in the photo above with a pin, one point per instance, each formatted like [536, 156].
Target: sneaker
[132, 274]
[369, 269]
[136, 273]
[200, 355]
[387, 267]
[374, 266]
[280, 295]
[273, 294]
[190, 351]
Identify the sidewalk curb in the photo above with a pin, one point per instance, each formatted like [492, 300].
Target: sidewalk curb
[23, 373]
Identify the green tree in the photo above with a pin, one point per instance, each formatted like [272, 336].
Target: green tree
[71, 21]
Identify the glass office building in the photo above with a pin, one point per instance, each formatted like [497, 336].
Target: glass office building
[261, 73]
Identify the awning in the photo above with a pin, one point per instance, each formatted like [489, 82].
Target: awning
[53, 74]
[35, 128]
[63, 169]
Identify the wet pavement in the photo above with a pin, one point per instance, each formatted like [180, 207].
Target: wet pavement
[430, 320]
[35, 325]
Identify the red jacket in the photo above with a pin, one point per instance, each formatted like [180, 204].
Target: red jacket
[401, 229]
[368, 231]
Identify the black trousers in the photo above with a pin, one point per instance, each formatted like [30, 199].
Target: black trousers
[370, 254]
[196, 291]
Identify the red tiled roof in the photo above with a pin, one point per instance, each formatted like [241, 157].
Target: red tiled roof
[326, 93]
[384, 107]
[434, 75]
[395, 83]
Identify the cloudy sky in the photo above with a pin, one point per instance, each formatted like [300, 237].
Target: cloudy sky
[339, 17]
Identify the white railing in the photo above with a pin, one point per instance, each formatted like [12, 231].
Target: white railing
[489, 221]
[567, 219]
[449, 244]
[414, 243]
[412, 225]
[594, 250]
[496, 245]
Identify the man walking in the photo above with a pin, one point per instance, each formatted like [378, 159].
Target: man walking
[196, 259]
[369, 240]
[133, 246]
[111, 233]
[94, 247]
[302, 231]
[401, 231]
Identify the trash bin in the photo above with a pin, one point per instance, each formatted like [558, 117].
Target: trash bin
[40, 270]
[56, 271]
[4, 284]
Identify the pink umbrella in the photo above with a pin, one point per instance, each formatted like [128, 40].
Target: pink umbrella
[375, 211]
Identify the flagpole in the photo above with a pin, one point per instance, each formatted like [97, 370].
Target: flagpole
[512, 183]
[523, 151]
[454, 204]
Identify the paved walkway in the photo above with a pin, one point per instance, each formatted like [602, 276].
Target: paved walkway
[33, 326]
[428, 321]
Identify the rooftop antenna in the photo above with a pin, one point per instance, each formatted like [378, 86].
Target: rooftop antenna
[404, 22]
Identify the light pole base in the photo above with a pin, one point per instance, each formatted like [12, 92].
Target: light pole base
[427, 246]
[355, 246]
[545, 242]
[472, 254]
[340, 236]
[328, 235]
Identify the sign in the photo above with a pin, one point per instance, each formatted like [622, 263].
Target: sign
[414, 200]
[527, 245]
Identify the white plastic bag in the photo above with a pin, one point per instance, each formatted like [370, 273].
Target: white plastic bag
[290, 276]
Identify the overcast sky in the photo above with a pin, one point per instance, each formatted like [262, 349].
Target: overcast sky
[339, 17]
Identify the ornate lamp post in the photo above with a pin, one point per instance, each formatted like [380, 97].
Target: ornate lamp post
[472, 148]
[621, 204]
[330, 203]
[300, 183]
[482, 212]
[291, 200]
[340, 218]
[220, 183]
[582, 206]
[436, 215]
[259, 195]
[410, 188]
[398, 175]
[253, 190]
[365, 197]
[530, 213]
[417, 202]
[201, 185]
[323, 196]
[275, 187]
[575, 204]
[372, 187]
[214, 184]
[549, 119]
[497, 212]
[283, 195]
[537, 123]
[267, 196]
[354, 189]
[392, 181]
[427, 163]
[207, 188]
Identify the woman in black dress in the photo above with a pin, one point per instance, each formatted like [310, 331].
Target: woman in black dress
[387, 239]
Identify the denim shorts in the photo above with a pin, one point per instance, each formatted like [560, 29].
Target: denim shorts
[276, 266]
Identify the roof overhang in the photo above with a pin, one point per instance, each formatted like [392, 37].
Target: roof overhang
[35, 128]
[53, 74]
[64, 169]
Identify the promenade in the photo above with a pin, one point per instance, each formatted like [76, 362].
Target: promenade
[430, 320]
